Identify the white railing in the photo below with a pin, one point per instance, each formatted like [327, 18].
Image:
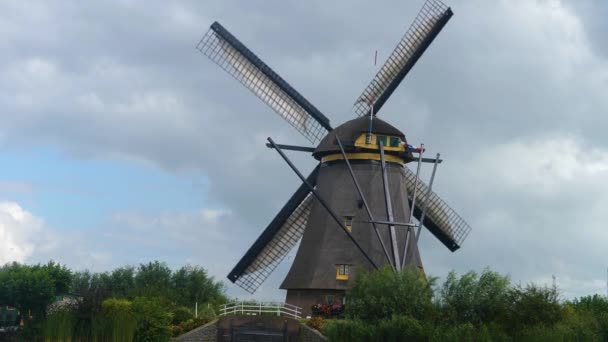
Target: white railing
[278, 309]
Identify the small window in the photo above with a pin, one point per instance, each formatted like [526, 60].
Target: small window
[342, 272]
[381, 138]
[329, 299]
[348, 223]
[395, 141]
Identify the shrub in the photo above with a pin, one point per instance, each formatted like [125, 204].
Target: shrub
[316, 323]
[207, 312]
[153, 320]
[349, 330]
[116, 322]
[384, 293]
[60, 325]
[473, 298]
[190, 324]
[533, 305]
[181, 314]
[399, 328]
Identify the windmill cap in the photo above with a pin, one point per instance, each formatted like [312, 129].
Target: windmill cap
[350, 131]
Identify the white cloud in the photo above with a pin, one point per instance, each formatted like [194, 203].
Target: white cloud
[19, 233]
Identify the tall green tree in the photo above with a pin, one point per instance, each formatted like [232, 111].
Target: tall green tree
[122, 282]
[474, 298]
[381, 294]
[153, 279]
[29, 289]
[191, 284]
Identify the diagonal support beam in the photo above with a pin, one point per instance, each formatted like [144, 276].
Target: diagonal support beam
[294, 148]
[427, 196]
[389, 211]
[322, 201]
[369, 212]
[409, 229]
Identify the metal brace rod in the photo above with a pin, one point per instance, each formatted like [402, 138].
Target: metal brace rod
[409, 229]
[393, 223]
[428, 194]
[294, 148]
[369, 212]
[423, 160]
[322, 201]
[389, 211]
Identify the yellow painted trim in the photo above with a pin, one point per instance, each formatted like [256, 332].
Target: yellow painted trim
[367, 156]
[361, 142]
[342, 276]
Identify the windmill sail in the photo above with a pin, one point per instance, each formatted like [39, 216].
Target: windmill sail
[238, 61]
[427, 25]
[441, 220]
[275, 242]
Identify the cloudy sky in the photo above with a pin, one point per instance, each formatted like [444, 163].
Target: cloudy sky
[120, 143]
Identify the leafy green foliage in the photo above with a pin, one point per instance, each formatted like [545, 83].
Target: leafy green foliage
[128, 303]
[316, 322]
[153, 320]
[471, 307]
[59, 325]
[382, 294]
[153, 280]
[349, 330]
[117, 321]
[532, 306]
[190, 324]
[32, 288]
[181, 314]
[196, 286]
[473, 298]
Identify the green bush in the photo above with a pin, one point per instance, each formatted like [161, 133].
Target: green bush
[382, 294]
[207, 312]
[533, 306]
[153, 320]
[316, 323]
[399, 328]
[60, 325]
[349, 330]
[190, 324]
[181, 314]
[117, 321]
[473, 298]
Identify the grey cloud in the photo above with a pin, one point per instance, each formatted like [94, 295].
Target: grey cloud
[122, 80]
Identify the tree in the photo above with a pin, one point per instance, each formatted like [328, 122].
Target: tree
[475, 299]
[383, 293]
[533, 305]
[191, 284]
[153, 279]
[60, 275]
[81, 282]
[153, 320]
[29, 289]
[122, 282]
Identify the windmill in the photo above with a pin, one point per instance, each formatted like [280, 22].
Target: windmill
[353, 211]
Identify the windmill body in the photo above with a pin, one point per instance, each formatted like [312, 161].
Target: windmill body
[355, 210]
[325, 251]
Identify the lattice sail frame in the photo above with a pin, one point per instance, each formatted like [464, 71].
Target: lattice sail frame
[277, 249]
[451, 224]
[256, 79]
[431, 12]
